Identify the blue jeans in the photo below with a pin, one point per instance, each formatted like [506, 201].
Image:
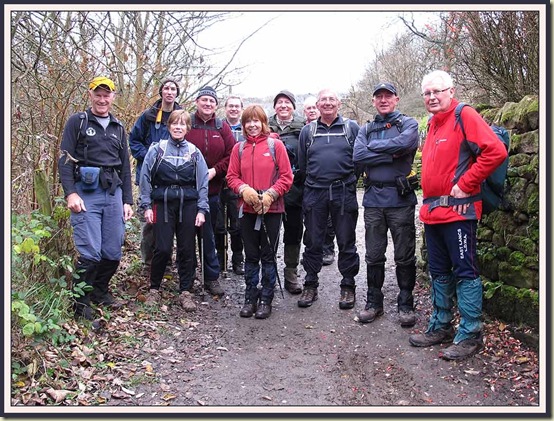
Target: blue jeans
[99, 231]
[452, 256]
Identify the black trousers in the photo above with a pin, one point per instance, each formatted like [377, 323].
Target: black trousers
[341, 203]
[164, 232]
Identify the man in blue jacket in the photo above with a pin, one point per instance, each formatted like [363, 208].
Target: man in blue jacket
[151, 127]
[386, 148]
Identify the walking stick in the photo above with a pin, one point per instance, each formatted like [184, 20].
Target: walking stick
[201, 253]
[225, 240]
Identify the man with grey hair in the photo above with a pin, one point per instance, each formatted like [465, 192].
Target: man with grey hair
[325, 161]
[312, 113]
[451, 181]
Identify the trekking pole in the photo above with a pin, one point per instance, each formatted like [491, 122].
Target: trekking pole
[201, 253]
[225, 241]
[274, 249]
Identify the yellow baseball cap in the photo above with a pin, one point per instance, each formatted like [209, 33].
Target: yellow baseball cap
[102, 81]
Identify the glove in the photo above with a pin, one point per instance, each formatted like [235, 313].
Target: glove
[267, 200]
[250, 196]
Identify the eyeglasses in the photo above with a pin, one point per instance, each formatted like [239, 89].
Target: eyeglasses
[435, 92]
[328, 99]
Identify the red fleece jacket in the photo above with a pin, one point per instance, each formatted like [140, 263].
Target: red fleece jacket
[257, 169]
[444, 162]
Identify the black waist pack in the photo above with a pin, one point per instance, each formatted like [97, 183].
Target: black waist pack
[406, 185]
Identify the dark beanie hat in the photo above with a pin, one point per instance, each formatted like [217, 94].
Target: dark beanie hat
[286, 94]
[207, 90]
[166, 81]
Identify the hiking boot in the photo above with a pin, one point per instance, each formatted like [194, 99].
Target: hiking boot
[328, 259]
[238, 268]
[153, 298]
[214, 288]
[107, 300]
[309, 295]
[248, 309]
[347, 298]
[293, 287]
[407, 318]
[83, 311]
[292, 284]
[250, 302]
[462, 350]
[188, 304]
[369, 314]
[434, 337]
[264, 310]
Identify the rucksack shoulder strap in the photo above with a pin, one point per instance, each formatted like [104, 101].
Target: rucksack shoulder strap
[311, 134]
[348, 132]
[83, 126]
[241, 148]
[458, 116]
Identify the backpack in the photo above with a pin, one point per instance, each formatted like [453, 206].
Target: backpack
[270, 145]
[399, 122]
[347, 132]
[492, 188]
[161, 146]
[83, 126]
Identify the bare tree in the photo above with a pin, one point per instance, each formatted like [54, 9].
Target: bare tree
[493, 55]
[54, 54]
[401, 63]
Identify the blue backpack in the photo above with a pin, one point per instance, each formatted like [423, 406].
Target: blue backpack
[492, 189]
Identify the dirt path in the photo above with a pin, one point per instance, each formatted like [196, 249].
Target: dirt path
[311, 357]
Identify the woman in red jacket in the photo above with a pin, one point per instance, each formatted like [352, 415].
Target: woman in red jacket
[260, 173]
[451, 181]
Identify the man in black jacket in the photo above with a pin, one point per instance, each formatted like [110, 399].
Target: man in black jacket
[95, 173]
[288, 125]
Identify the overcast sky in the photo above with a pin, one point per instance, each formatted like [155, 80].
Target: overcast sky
[303, 51]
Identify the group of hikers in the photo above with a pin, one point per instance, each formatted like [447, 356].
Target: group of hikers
[200, 176]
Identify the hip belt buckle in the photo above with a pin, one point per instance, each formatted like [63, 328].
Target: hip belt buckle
[443, 201]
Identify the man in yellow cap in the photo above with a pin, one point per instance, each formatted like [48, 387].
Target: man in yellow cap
[95, 174]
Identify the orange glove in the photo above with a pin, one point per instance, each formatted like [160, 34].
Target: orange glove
[267, 200]
[251, 196]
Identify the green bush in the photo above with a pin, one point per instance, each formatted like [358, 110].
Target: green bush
[41, 270]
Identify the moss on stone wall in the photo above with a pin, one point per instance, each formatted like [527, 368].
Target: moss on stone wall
[514, 305]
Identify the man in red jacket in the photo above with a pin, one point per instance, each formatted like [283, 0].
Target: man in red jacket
[451, 182]
[215, 140]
